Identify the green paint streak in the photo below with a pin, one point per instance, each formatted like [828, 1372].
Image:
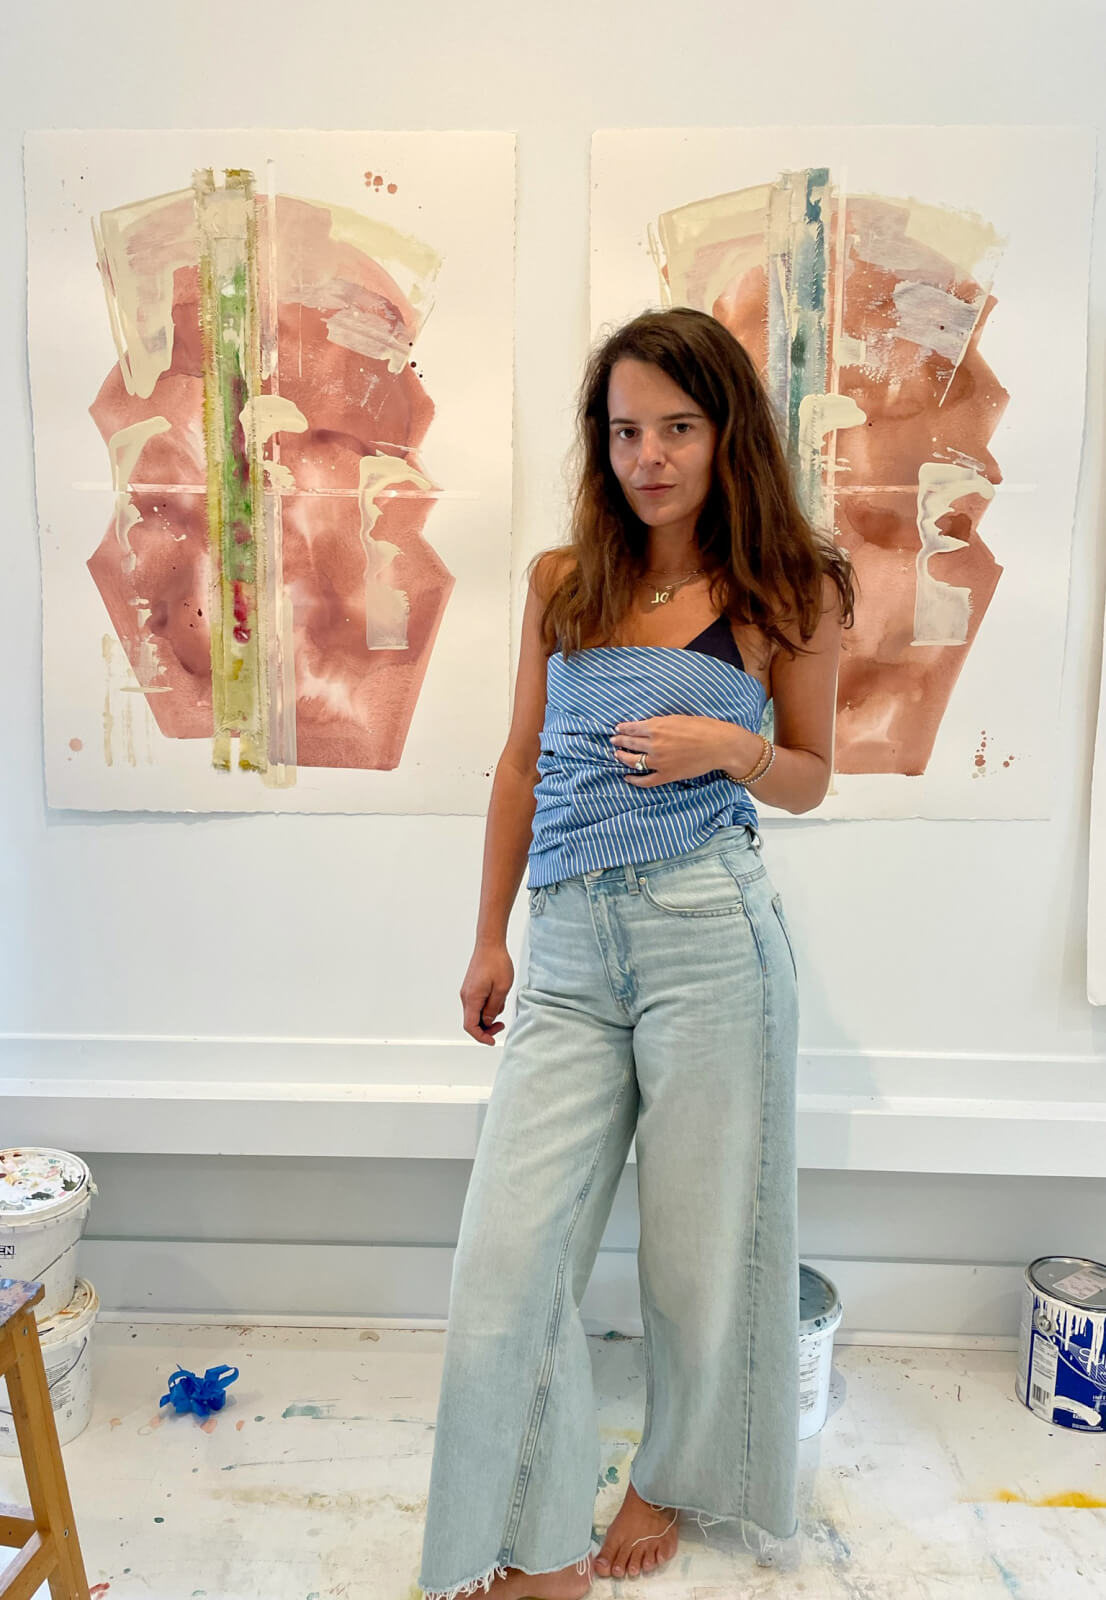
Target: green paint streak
[227, 225]
[320, 1413]
[612, 1474]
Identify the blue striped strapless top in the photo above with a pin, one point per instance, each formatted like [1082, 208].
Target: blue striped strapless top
[587, 815]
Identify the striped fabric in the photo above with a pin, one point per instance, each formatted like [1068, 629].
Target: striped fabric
[587, 815]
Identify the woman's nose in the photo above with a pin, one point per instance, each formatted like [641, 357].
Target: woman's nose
[650, 448]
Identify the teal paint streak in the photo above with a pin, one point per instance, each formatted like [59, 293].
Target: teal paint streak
[1011, 1583]
[798, 269]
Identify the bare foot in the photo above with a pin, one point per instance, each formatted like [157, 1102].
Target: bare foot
[566, 1584]
[639, 1539]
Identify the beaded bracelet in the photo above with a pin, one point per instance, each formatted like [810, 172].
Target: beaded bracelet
[762, 763]
[755, 777]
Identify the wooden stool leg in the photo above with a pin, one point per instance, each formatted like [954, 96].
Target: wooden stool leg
[37, 1433]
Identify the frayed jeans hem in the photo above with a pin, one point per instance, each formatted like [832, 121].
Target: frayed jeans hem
[498, 1570]
[770, 1549]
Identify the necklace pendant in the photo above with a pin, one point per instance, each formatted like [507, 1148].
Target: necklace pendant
[660, 596]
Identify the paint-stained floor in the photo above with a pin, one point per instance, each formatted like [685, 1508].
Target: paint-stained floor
[928, 1482]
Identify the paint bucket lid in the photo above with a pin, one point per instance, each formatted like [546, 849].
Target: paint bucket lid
[73, 1318]
[819, 1305]
[1071, 1279]
[37, 1182]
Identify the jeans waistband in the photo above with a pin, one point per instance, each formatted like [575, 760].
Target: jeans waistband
[742, 837]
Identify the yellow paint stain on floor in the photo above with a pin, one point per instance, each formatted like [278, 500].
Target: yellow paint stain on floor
[1074, 1498]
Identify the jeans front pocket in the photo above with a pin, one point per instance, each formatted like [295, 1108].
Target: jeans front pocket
[699, 888]
[537, 900]
[777, 907]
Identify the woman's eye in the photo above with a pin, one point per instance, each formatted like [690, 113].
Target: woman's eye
[680, 426]
[623, 433]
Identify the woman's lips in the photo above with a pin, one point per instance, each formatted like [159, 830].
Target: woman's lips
[655, 488]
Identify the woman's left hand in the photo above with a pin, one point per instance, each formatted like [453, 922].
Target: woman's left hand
[674, 747]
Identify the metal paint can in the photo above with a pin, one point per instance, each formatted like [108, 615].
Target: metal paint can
[820, 1312]
[1061, 1373]
[45, 1195]
[66, 1340]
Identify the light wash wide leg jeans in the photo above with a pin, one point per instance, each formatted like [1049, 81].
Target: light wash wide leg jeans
[662, 999]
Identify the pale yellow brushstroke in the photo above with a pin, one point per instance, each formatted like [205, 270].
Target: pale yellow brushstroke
[128, 732]
[821, 415]
[279, 478]
[124, 449]
[139, 247]
[389, 246]
[107, 650]
[267, 414]
[710, 243]
[385, 608]
[941, 610]
[967, 240]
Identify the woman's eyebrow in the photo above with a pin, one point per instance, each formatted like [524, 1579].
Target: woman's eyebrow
[673, 416]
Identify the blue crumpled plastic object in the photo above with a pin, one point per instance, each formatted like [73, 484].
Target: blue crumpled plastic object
[201, 1395]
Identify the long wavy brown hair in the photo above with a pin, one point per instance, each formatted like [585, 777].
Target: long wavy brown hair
[766, 562]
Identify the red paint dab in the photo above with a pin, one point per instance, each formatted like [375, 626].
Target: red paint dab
[76, 744]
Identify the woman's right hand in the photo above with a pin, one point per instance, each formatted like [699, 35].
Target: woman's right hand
[488, 980]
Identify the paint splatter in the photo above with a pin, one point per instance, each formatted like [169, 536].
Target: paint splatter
[76, 744]
[240, 1425]
[97, 1590]
[1074, 1499]
[159, 1519]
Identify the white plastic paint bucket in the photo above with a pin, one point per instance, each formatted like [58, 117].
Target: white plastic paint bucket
[820, 1312]
[66, 1342]
[44, 1199]
[1061, 1372]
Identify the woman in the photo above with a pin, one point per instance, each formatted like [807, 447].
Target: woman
[660, 997]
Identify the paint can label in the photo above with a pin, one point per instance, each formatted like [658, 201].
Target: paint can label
[1062, 1363]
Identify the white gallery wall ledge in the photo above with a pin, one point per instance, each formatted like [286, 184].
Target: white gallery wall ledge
[1032, 1116]
[923, 1302]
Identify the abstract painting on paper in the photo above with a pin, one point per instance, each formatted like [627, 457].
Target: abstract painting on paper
[271, 382]
[915, 300]
[1096, 894]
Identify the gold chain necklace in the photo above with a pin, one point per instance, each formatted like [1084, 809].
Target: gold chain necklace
[662, 596]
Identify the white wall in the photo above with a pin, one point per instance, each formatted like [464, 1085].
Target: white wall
[945, 1030]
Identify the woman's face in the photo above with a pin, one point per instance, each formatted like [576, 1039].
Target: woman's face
[661, 446]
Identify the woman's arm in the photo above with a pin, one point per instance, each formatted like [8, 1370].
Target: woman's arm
[804, 699]
[804, 691]
[510, 822]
